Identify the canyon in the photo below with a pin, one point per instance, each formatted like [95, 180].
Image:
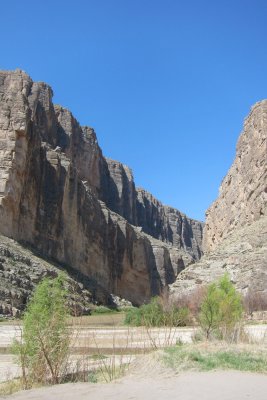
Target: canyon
[64, 206]
[62, 200]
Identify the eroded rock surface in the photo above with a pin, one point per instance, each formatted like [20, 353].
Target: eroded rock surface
[235, 234]
[59, 195]
[21, 270]
[243, 192]
[242, 255]
[168, 224]
[142, 209]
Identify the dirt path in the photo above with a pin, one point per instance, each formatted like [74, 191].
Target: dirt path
[220, 385]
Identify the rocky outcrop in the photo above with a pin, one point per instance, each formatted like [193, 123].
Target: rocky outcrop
[21, 270]
[235, 234]
[242, 255]
[243, 192]
[59, 195]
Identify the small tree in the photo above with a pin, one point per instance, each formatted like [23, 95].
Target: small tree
[231, 306]
[221, 308]
[209, 316]
[44, 348]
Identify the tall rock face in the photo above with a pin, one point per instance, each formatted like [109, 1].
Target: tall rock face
[142, 209]
[168, 224]
[121, 195]
[243, 192]
[235, 233]
[59, 195]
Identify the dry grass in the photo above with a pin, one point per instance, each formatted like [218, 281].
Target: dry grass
[10, 386]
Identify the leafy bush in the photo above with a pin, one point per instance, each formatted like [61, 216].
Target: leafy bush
[153, 314]
[221, 308]
[44, 348]
[178, 316]
[133, 317]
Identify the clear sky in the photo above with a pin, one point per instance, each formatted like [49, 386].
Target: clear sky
[165, 83]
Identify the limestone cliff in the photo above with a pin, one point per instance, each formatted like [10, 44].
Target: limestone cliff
[243, 192]
[168, 224]
[235, 233]
[59, 195]
[142, 209]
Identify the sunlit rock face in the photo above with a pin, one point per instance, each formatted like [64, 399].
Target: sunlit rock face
[235, 233]
[243, 192]
[59, 195]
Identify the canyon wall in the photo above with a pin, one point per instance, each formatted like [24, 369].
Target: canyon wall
[142, 209]
[235, 233]
[243, 192]
[59, 195]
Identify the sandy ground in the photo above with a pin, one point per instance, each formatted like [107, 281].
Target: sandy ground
[93, 340]
[123, 337]
[220, 385]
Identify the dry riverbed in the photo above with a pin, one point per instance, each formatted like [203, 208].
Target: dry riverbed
[94, 336]
[122, 344]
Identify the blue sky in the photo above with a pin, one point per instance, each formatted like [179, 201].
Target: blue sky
[165, 83]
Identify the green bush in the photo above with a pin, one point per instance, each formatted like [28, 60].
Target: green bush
[133, 317]
[103, 310]
[178, 316]
[153, 315]
[44, 348]
[221, 308]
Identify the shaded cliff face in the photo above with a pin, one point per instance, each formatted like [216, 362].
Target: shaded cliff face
[57, 193]
[168, 224]
[121, 194]
[142, 209]
[235, 234]
[243, 192]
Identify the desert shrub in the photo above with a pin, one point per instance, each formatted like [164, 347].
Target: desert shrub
[255, 301]
[133, 317]
[44, 347]
[103, 310]
[177, 316]
[191, 301]
[153, 314]
[150, 314]
[221, 308]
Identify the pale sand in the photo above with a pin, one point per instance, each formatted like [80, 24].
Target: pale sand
[220, 385]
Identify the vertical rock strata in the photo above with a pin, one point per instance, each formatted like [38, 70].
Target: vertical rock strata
[235, 233]
[142, 209]
[168, 224]
[243, 192]
[61, 196]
